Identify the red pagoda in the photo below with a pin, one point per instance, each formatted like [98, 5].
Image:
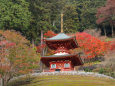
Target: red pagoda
[62, 60]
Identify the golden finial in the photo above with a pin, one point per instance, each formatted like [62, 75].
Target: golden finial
[61, 22]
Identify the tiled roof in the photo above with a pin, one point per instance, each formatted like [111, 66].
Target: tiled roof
[60, 36]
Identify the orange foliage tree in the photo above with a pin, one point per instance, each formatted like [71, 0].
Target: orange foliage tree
[17, 56]
[91, 46]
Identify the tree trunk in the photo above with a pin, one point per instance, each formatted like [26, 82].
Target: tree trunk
[41, 64]
[112, 30]
[4, 82]
[53, 22]
[5, 79]
[105, 31]
[1, 84]
[32, 43]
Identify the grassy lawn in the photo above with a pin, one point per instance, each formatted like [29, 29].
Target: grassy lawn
[69, 80]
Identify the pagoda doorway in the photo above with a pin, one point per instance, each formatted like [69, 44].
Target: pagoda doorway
[57, 69]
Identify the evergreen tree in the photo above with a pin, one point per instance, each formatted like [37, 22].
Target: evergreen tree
[14, 14]
[86, 11]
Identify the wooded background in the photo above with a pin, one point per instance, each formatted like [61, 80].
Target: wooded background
[31, 16]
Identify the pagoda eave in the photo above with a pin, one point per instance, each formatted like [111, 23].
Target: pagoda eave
[49, 40]
[68, 43]
[76, 60]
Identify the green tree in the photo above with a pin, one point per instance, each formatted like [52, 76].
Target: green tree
[14, 14]
[40, 19]
[71, 21]
[86, 11]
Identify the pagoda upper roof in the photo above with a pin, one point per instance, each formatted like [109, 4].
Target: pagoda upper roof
[61, 39]
[60, 36]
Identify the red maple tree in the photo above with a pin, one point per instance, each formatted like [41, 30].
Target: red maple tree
[49, 34]
[91, 46]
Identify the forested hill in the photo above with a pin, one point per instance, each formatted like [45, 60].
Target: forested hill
[31, 16]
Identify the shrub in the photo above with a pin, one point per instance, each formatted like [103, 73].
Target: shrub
[88, 68]
[102, 70]
[21, 81]
[110, 63]
[107, 67]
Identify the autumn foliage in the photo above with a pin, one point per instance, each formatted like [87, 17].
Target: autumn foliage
[40, 48]
[4, 63]
[17, 56]
[49, 34]
[112, 46]
[106, 13]
[91, 46]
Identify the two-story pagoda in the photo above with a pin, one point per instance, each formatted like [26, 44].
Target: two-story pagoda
[62, 60]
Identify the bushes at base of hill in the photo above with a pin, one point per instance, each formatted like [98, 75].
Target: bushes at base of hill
[21, 81]
[105, 71]
[107, 67]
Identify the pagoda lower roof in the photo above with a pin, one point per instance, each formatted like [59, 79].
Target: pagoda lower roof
[76, 60]
[56, 56]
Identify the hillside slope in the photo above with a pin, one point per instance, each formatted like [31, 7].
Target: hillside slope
[67, 80]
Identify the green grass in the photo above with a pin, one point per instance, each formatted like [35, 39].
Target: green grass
[69, 80]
